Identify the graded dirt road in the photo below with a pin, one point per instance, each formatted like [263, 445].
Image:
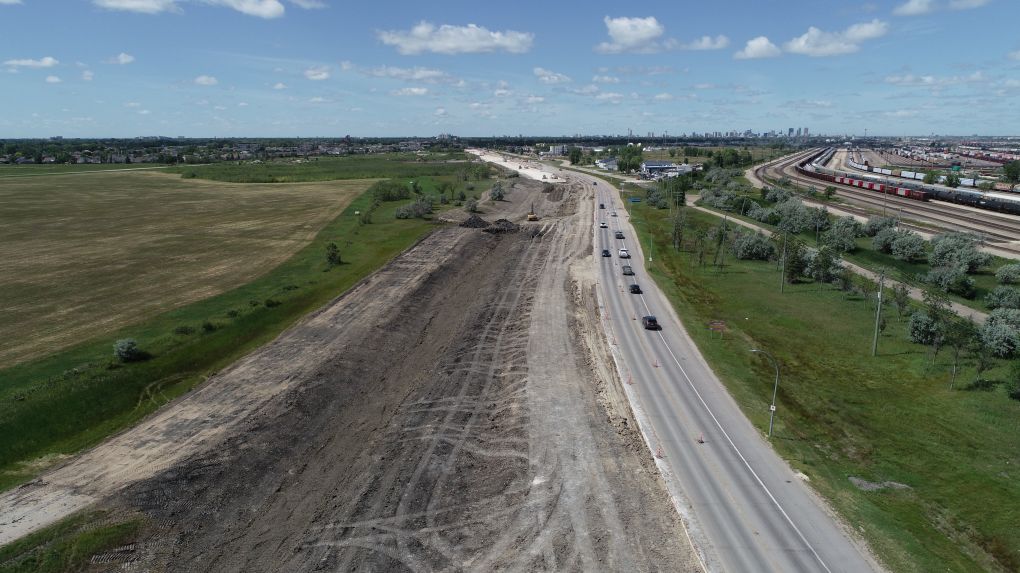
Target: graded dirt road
[441, 416]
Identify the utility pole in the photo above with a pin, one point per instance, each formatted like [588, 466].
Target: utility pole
[878, 313]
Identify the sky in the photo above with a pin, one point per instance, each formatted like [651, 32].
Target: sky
[330, 68]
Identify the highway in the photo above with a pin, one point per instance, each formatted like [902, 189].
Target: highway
[749, 510]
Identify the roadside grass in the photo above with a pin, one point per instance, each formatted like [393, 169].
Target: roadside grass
[81, 256]
[33, 170]
[73, 399]
[391, 165]
[68, 545]
[842, 413]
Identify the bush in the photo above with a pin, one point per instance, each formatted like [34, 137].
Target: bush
[952, 279]
[1003, 297]
[126, 350]
[824, 266]
[471, 205]
[272, 303]
[1001, 332]
[954, 249]
[233, 313]
[794, 217]
[1008, 274]
[908, 246]
[184, 330]
[416, 210]
[497, 193]
[923, 329]
[390, 191]
[766, 215]
[876, 224]
[777, 195]
[208, 327]
[753, 246]
[883, 240]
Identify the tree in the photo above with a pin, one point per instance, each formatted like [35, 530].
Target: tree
[794, 217]
[901, 299]
[1003, 297]
[679, 222]
[471, 205]
[575, 154]
[332, 254]
[126, 350]
[931, 177]
[496, 193]
[629, 158]
[952, 249]
[1001, 332]
[829, 191]
[753, 246]
[908, 246]
[824, 266]
[936, 307]
[952, 180]
[877, 224]
[1011, 173]
[952, 279]
[1008, 274]
[672, 152]
[842, 235]
[960, 334]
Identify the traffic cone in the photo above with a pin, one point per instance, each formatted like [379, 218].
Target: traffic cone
[658, 453]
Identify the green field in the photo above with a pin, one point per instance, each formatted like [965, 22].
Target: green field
[404, 165]
[843, 413]
[57, 404]
[69, 545]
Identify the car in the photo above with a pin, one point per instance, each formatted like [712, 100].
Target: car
[602, 205]
[606, 253]
[613, 214]
[650, 323]
[628, 271]
[624, 254]
[619, 234]
[635, 289]
[603, 225]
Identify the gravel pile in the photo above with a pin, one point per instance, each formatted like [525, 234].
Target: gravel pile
[475, 222]
[503, 226]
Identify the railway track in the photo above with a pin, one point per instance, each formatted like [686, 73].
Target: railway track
[1006, 230]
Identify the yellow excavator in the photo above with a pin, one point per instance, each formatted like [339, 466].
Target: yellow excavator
[531, 214]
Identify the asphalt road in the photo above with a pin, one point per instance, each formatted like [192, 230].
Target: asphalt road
[750, 511]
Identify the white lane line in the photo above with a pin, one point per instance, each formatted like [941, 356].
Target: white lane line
[737, 450]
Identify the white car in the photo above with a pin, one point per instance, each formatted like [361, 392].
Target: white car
[613, 214]
[624, 254]
[603, 225]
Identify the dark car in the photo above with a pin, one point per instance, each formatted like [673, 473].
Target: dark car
[619, 234]
[627, 270]
[602, 205]
[635, 289]
[606, 253]
[650, 323]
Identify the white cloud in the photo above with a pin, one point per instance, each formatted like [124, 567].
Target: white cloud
[663, 97]
[709, 43]
[318, 99]
[534, 99]
[910, 80]
[447, 39]
[122, 59]
[317, 74]
[206, 81]
[605, 80]
[242, 104]
[586, 90]
[760, 47]
[440, 112]
[1014, 55]
[411, 92]
[818, 43]
[142, 6]
[144, 112]
[610, 97]
[705, 86]
[966, 4]
[46, 62]
[915, 8]
[9, 2]
[52, 80]
[550, 77]
[279, 86]
[259, 8]
[309, 4]
[901, 113]
[502, 92]
[409, 74]
[639, 35]
[132, 104]
[87, 75]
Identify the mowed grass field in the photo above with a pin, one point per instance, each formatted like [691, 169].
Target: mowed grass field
[843, 413]
[85, 255]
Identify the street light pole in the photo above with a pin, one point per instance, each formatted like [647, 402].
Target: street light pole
[775, 390]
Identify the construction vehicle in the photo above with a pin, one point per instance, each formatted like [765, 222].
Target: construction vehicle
[531, 214]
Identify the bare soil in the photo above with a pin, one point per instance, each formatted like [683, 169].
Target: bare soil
[454, 412]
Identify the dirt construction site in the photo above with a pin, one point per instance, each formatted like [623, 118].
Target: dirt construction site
[458, 410]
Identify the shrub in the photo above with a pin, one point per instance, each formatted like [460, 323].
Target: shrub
[1008, 274]
[753, 246]
[794, 217]
[184, 330]
[908, 246]
[824, 266]
[952, 279]
[876, 224]
[253, 303]
[233, 313]
[954, 249]
[208, 327]
[416, 210]
[272, 303]
[766, 215]
[1001, 332]
[126, 350]
[390, 191]
[497, 193]
[777, 195]
[923, 329]
[471, 205]
[883, 240]
[332, 254]
[842, 236]
[1003, 297]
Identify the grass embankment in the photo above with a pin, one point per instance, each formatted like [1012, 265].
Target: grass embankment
[68, 545]
[13, 171]
[842, 413]
[327, 168]
[71, 400]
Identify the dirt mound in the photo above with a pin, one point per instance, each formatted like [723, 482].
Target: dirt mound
[503, 226]
[475, 222]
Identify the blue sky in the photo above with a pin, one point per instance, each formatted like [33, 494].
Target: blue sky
[124, 68]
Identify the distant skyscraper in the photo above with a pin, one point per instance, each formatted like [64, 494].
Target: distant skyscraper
[790, 133]
[805, 132]
[799, 131]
